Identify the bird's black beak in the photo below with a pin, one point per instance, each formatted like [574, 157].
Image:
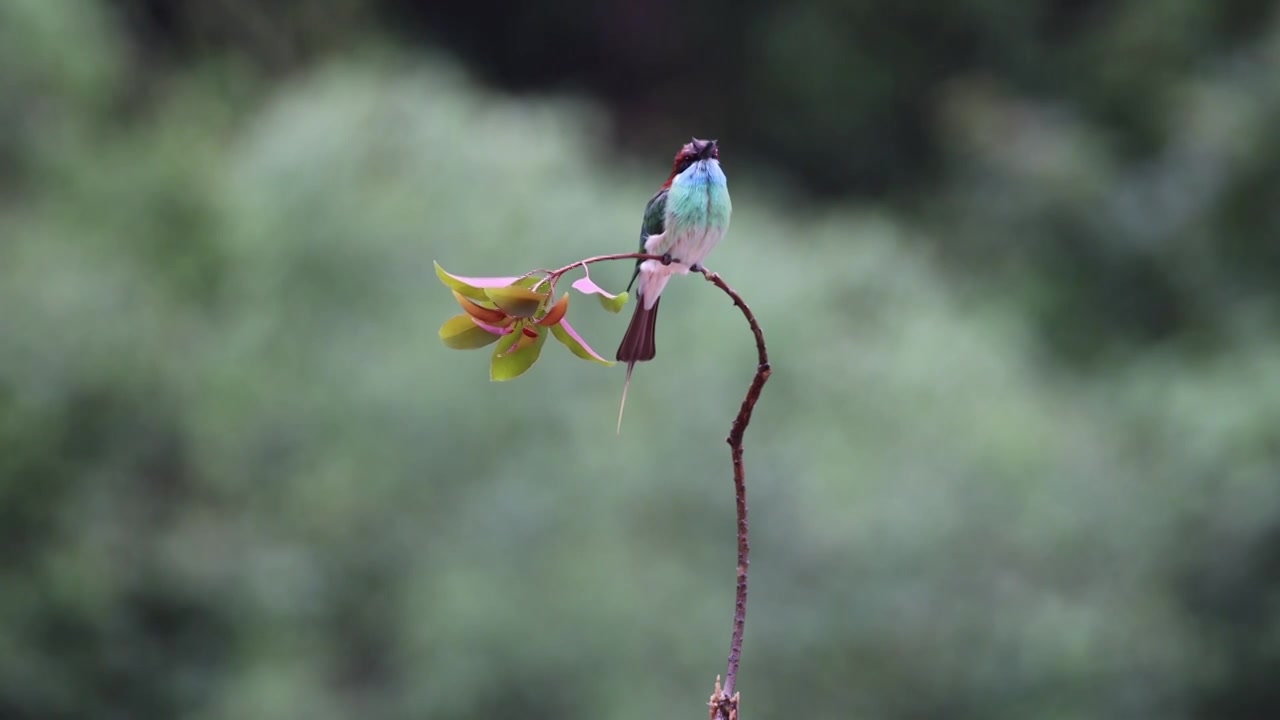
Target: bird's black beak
[706, 149]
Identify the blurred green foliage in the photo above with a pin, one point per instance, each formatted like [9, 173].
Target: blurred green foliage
[1112, 161]
[241, 477]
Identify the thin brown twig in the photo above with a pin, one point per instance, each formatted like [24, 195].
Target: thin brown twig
[553, 274]
[724, 699]
[551, 277]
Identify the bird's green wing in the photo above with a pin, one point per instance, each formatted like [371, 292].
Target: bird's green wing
[652, 224]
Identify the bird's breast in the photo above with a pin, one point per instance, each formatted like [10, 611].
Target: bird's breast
[697, 217]
[697, 204]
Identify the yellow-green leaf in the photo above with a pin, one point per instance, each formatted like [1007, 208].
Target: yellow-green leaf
[472, 287]
[516, 301]
[488, 315]
[570, 338]
[615, 303]
[530, 281]
[460, 333]
[508, 364]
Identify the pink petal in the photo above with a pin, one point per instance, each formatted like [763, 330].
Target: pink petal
[574, 334]
[493, 328]
[587, 287]
[485, 282]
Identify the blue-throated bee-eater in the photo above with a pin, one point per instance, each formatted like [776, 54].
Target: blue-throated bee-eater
[682, 222]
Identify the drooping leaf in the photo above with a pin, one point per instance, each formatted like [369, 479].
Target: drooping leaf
[516, 301]
[510, 360]
[556, 313]
[612, 303]
[461, 333]
[487, 315]
[570, 338]
[615, 304]
[472, 287]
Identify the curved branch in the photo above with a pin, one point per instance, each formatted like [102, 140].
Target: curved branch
[551, 277]
[555, 274]
[724, 701]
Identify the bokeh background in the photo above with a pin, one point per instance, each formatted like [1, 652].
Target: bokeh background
[1017, 261]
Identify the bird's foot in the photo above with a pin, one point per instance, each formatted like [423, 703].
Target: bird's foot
[666, 258]
[696, 267]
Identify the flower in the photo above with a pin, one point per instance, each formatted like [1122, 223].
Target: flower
[513, 313]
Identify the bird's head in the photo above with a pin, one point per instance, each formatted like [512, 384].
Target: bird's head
[692, 152]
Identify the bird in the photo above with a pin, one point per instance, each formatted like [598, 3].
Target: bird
[682, 222]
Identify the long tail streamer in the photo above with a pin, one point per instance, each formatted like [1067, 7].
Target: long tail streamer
[622, 406]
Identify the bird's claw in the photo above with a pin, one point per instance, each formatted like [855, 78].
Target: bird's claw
[696, 267]
[666, 258]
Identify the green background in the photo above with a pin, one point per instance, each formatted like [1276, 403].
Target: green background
[1016, 263]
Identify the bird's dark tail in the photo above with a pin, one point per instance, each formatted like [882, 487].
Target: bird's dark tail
[637, 344]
